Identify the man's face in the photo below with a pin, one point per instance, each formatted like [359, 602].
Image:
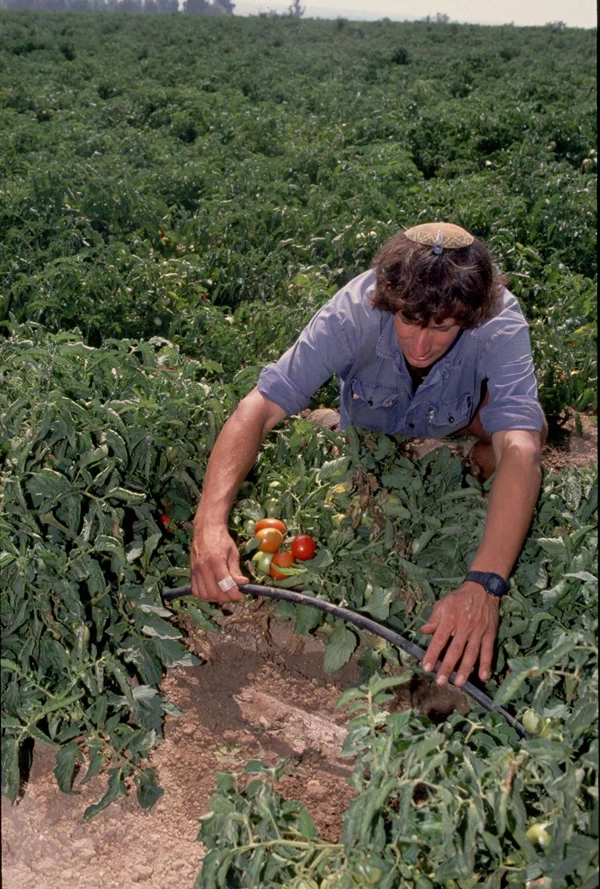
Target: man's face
[422, 346]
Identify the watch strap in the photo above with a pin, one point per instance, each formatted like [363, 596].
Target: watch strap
[494, 584]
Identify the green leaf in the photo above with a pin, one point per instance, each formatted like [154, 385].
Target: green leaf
[148, 791]
[377, 684]
[116, 789]
[351, 694]
[64, 769]
[306, 619]
[323, 559]
[521, 669]
[334, 470]
[38, 735]
[378, 606]
[152, 625]
[96, 763]
[306, 825]
[173, 654]
[11, 777]
[554, 547]
[123, 494]
[339, 648]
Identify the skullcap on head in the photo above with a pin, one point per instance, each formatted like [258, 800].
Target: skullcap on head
[444, 235]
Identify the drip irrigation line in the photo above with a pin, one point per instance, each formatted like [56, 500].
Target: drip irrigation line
[364, 623]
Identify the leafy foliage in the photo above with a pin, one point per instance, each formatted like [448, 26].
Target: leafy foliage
[97, 443]
[233, 173]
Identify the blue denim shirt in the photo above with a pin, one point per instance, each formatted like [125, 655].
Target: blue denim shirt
[349, 338]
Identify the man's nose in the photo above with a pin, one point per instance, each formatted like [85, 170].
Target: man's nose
[422, 341]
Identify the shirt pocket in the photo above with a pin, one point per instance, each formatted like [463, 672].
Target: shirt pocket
[447, 417]
[374, 406]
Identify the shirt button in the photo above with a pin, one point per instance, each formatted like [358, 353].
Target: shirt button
[451, 419]
[411, 425]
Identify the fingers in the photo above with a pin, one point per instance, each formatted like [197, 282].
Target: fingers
[233, 567]
[452, 655]
[486, 655]
[431, 625]
[215, 571]
[436, 646]
[468, 661]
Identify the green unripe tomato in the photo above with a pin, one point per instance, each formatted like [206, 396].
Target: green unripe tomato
[538, 834]
[249, 526]
[531, 722]
[262, 562]
[365, 874]
[272, 508]
[331, 881]
[538, 725]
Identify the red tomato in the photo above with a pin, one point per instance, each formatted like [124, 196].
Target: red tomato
[270, 523]
[271, 539]
[165, 521]
[303, 547]
[283, 560]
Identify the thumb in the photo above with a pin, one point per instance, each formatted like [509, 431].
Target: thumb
[233, 565]
[431, 625]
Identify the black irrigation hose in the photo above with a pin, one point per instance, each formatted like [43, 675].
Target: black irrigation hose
[366, 624]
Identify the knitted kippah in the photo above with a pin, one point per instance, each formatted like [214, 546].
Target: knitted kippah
[440, 235]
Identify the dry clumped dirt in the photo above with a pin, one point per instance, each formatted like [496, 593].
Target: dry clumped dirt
[261, 694]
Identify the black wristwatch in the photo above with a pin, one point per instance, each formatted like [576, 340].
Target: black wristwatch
[493, 583]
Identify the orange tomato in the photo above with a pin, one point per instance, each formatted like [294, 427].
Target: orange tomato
[282, 560]
[270, 523]
[271, 539]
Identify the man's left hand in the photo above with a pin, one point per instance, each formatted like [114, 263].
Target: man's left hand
[469, 617]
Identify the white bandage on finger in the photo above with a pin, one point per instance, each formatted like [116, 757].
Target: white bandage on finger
[226, 584]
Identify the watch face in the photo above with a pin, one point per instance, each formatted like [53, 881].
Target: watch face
[494, 584]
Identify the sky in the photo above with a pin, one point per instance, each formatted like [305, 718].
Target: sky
[578, 14]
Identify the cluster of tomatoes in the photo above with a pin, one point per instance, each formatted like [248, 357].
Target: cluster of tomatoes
[268, 559]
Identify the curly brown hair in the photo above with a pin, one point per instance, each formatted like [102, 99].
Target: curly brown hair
[423, 286]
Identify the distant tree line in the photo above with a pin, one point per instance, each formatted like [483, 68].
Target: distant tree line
[193, 7]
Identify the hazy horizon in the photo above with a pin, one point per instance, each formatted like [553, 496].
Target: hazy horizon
[494, 12]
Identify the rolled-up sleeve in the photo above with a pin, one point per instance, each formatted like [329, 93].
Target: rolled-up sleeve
[511, 382]
[325, 347]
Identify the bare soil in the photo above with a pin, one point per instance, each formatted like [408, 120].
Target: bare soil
[261, 694]
[567, 446]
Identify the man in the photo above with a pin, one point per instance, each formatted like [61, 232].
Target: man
[427, 343]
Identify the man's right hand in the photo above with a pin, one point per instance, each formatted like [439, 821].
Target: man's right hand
[214, 557]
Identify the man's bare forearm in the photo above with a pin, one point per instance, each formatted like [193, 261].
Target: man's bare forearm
[233, 456]
[512, 501]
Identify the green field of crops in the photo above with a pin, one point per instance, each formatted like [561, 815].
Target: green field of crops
[178, 196]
